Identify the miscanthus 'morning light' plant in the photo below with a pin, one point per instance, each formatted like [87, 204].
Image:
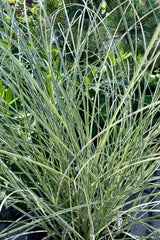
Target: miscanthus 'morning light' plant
[77, 139]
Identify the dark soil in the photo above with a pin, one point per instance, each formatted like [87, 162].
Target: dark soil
[11, 214]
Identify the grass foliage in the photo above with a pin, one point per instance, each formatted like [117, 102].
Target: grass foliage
[77, 137]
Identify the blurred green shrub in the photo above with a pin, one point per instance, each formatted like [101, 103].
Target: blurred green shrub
[6, 99]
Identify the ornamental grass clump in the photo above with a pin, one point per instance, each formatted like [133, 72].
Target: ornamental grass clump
[79, 132]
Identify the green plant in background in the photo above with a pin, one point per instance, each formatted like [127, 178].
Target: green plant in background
[145, 14]
[76, 146]
[51, 5]
[7, 99]
[134, 21]
[24, 15]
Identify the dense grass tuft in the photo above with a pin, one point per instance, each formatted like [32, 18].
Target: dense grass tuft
[79, 129]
